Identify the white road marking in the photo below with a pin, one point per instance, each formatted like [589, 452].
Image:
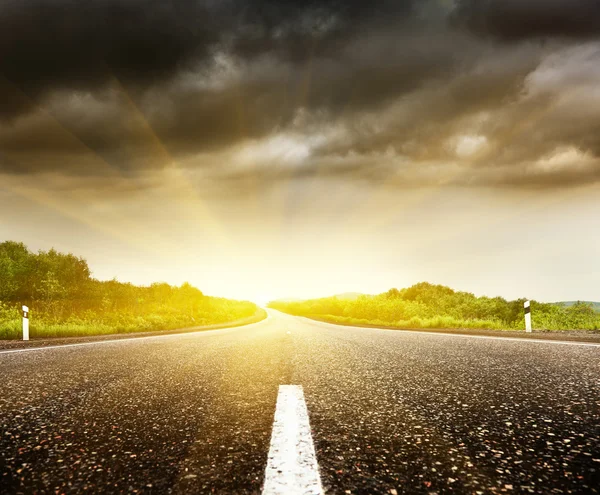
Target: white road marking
[292, 467]
[187, 334]
[462, 335]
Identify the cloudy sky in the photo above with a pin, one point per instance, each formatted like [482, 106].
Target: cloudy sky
[280, 148]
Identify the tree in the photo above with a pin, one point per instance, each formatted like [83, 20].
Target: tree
[15, 271]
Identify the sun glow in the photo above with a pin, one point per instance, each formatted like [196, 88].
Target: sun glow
[262, 299]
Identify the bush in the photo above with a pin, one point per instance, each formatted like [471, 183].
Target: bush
[425, 305]
[65, 300]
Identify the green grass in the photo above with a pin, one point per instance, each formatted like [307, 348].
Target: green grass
[45, 325]
[415, 322]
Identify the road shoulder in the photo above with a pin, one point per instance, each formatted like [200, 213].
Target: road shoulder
[559, 335]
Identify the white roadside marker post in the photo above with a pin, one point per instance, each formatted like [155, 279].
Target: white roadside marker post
[25, 323]
[527, 306]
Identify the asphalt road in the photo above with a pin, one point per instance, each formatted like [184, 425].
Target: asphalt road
[390, 412]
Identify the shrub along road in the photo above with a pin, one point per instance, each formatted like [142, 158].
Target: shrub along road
[390, 412]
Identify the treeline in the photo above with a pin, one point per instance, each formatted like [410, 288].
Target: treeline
[66, 300]
[425, 305]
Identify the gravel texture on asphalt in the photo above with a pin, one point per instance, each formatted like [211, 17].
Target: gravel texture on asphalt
[391, 412]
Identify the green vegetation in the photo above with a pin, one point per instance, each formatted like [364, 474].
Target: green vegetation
[65, 300]
[434, 306]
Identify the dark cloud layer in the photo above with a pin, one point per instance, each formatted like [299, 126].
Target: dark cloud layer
[45, 44]
[415, 92]
[526, 19]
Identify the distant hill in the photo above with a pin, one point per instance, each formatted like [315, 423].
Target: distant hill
[346, 296]
[595, 304]
[349, 296]
[287, 300]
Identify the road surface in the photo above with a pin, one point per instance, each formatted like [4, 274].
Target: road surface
[390, 412]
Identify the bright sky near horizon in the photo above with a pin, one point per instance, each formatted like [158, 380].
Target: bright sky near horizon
[324, 238]
[303, 149]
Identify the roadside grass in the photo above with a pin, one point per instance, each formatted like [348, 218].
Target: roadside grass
[87, 323]
[416, 322]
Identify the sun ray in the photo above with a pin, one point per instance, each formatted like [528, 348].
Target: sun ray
[192, 206]
[68, 202]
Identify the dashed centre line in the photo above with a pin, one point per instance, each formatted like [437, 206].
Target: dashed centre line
[292, 467]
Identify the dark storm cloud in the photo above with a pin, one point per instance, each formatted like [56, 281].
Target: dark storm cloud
[386, 90]
[341, 69]
[49, 44]
[524, 19]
